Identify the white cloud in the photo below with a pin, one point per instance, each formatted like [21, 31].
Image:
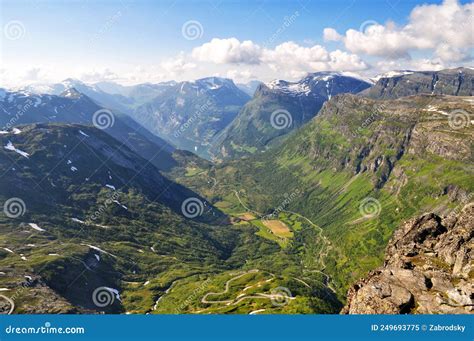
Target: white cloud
[446, 29]
[343, 61]
[331, 34]
[228, 51]
[422, 64]
[449, 23]
[32, 74]
[294, 54]
[379, 40]
[450, 53]
[294, 60]
[177, 65]
[99, 76]
[426, 65]
[287, 59]
[240, 76]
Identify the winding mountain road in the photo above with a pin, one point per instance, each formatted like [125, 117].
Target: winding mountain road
[321, 260]
[242, 296]
[244, 206]
[12, 304]
[327, 246]
[227, 287]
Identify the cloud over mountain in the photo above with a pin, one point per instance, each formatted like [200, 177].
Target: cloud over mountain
[292, 42]
[231, 50]
[446, 29]
[289, 57]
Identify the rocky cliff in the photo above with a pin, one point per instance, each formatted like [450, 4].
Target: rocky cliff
[428, 269]
[454, 82]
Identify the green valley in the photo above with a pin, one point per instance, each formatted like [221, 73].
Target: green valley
[355, 181]
[90, 226]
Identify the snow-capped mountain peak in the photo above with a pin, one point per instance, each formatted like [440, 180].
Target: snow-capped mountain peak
[392, 74]
[317, 83]
[71, 82]
[214, 83]
[207, 84]
[291, 88]
[302, 87]
[71, 93]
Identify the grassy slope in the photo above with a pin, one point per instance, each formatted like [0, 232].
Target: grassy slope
[323, 164]
[145, 243]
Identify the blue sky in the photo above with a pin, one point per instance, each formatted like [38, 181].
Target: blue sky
[134, 41]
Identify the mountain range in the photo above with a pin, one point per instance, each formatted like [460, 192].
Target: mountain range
[71, 106]
[368, 187]
[216, 119]
[455, 82]
[187, 114]
[356, 170]
[280, 107]
[191, 114]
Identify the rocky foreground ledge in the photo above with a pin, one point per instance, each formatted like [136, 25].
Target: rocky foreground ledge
[428, 270]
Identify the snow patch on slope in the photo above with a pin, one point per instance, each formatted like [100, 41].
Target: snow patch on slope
[11, 147]
[392, 74]
[36, 227]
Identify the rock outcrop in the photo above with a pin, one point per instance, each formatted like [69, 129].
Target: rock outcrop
[453, 82]
[428, 269]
